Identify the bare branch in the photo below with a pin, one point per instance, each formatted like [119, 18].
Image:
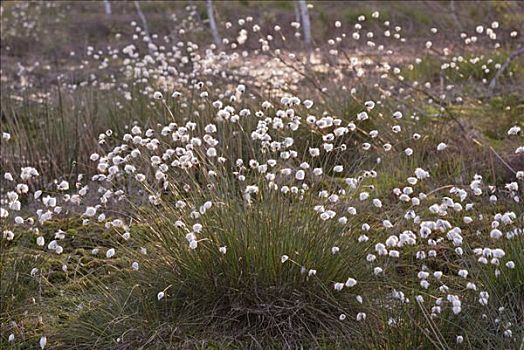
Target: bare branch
[511, 57]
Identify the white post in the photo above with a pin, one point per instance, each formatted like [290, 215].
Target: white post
[142, 17]
[107, 7]
[306, 24]
[213, 23]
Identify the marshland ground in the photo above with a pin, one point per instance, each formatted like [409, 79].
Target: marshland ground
[164, 190]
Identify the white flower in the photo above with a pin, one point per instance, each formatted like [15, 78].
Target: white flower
[193, 244]
[157, 95]
[369, 105]
[460, 339]
[471, 286]
[314, 152]
[361, 316]
[160, 295]
[514, 130]
[362, 116]
[9, 235]
[495, 234]
[134, 266]
[498, 253]
[63, 186]
[11, 338]
[284, 258]
[90, 212]
[421, 173]
[338, 286]
[222, 250]
[351, 282]
[43, 342]
[266, 105]
[110, 253]
[512, 186]
[394, 253]
[412, 180]
[483, 298]
[300, 175]
[456, 309]
[308, 104]
[441, 146]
